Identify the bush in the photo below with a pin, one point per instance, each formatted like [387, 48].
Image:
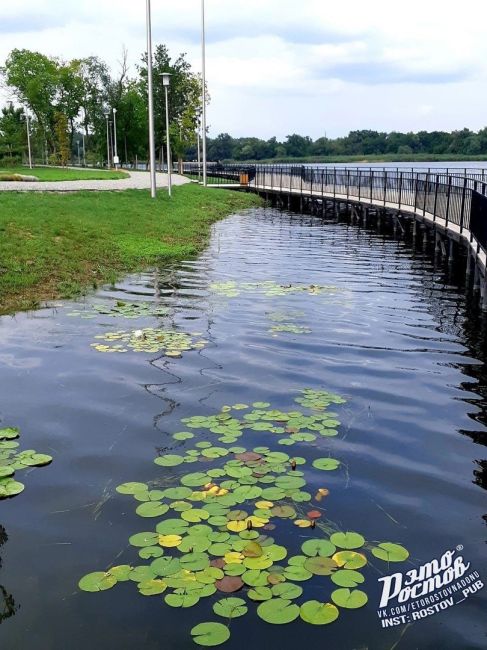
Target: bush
[11, 161]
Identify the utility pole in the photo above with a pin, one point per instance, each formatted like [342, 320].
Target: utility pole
[152, 144]
[203, 88]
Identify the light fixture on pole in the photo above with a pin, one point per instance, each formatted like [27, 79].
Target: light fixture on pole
[203, 88]
[28, 138]
[152, 142]
[115, 152]
[166, 82]
[107, 115]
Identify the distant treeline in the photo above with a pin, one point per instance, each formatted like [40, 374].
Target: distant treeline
[394, 145]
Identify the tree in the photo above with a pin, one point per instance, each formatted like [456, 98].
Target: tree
[62, 139]
[12, 134]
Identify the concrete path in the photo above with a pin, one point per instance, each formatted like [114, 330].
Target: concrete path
[135, 181]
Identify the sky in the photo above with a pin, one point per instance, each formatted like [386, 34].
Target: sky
[276, 67]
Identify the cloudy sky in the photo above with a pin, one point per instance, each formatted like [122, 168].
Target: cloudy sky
[280, 66]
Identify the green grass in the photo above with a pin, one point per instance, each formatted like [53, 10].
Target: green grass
[58, 246]
[60, 174]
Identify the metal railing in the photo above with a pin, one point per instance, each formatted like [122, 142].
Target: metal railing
[457, 201]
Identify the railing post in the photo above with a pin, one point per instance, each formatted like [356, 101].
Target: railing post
[464, 192]
[280, 184]
[334, 182]
[424, 199]
[436, 197]
[415, 191]
[385, 187]
[359, 182]
[475, 185]
[312, 178]
[448, 201]
[400, 189]
[323, 182]
[302, 174]
[348, 183]
[371, 184]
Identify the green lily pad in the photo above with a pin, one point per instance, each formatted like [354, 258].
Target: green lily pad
[321, 547]
[287, 590]
[97, 581]
[152, 509]
[230, 607]
[326, 464]
[320, 566]
[349, 598]
[278, 611]
[390, 552]
[348, 540]
[347, 578]
[9, 433]
[181, 600]
[260, 593]
[169, 460]
[10, 488]
[318, 613]
[210, 634]
[152, 587]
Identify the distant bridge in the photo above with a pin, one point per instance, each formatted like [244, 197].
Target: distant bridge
[448, 205]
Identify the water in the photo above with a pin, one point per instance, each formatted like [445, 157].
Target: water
[398, 341]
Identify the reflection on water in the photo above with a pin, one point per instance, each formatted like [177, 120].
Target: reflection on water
[7, 603]
[400, 340]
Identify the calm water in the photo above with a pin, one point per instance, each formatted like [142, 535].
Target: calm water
[397, 341]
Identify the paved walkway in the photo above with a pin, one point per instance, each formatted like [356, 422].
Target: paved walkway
[135, 181]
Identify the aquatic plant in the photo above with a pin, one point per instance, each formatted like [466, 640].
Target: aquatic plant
[122, 309]
[270, 288]
[149, 339]
[291, 328]
[12, 460]
[217, 526]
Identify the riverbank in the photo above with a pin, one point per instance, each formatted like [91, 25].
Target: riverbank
[58, 246]
[364, 160]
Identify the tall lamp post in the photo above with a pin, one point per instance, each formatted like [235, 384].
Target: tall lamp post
[166, 82]
[79, 155]
[28, 138]
[203, 88]
[152, 142]
[115, 151]
[107, 115]
[84, 151]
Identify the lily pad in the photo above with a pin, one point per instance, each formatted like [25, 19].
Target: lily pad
[347, 578]
[390, 552]
[278, 611]
[318, 613]
[348, 540]
[97, 581]
[230, 607]
[321, 547]
[349, 598]
[210, 634]
[326, 464]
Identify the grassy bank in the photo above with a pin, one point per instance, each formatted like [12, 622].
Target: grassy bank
[60, 174]
[58, 246]
[383, 158]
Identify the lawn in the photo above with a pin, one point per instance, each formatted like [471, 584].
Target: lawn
[60, 174]
[59, 246]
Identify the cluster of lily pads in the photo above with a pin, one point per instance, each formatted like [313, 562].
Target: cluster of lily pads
[150, 339]
[216, 529]
[280, 325]
[122, 309]
[269, 288]
[12, 460]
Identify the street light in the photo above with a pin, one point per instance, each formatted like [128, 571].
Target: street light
[203, 87]
[84, 151]
[166, 81]
[28, 138]
[152, 142]
[107, 115]
[115, 152]
[79, 155]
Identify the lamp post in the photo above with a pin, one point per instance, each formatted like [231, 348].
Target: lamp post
[107, 115]
[203, 88]
[152, 143]
[166, 81]
[115, 151]
[84, 151]
[28, 138]
[79, 155]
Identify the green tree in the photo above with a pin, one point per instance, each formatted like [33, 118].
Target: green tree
[12, 134]
[63, 148]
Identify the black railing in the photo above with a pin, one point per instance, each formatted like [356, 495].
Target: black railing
[457, 201]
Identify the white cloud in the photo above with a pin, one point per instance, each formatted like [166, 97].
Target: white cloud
[278, 66]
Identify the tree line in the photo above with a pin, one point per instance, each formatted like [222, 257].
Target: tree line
[71, 102]
[356, 143]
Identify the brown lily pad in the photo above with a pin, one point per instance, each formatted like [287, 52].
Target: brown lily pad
[229, 584]
[219, 563]
[248, 456]
[314, 514]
